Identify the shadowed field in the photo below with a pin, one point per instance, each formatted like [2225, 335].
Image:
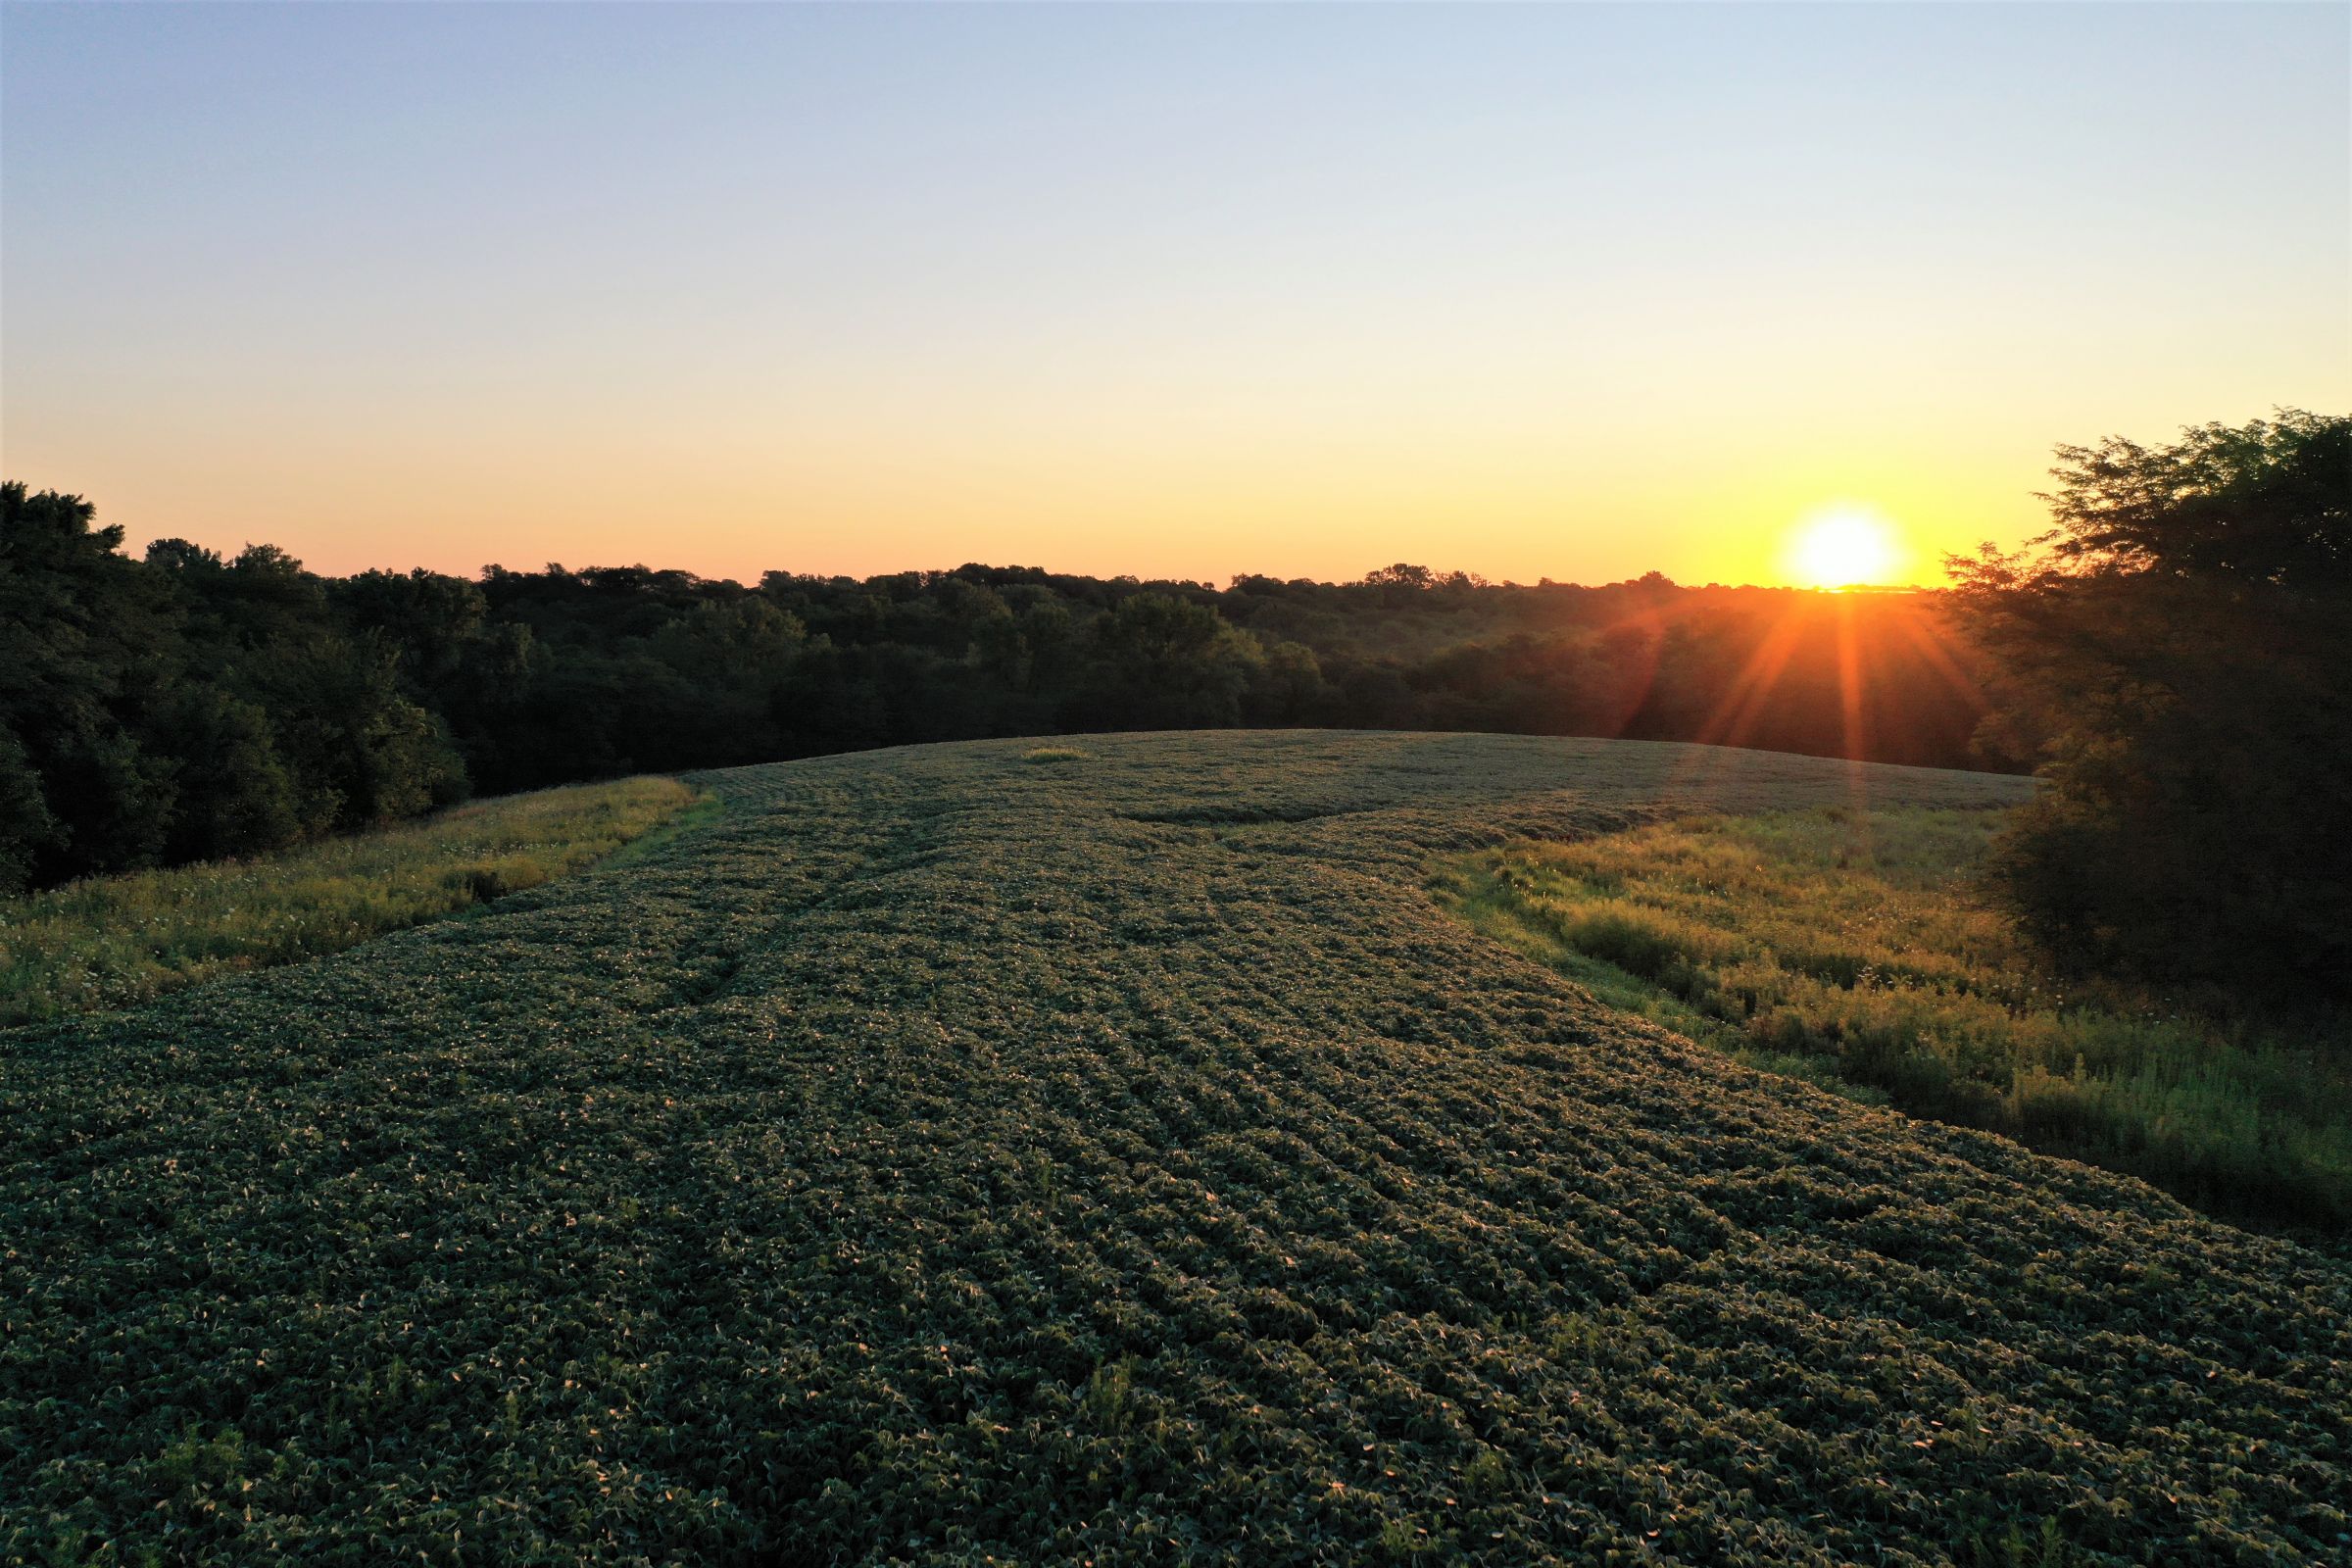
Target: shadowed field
[943, 1154]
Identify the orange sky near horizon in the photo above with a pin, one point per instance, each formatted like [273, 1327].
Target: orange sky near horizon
[1517, 511]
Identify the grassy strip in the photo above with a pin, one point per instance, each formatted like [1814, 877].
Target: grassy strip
[696, 811]
[1844, 948]
[113, 941]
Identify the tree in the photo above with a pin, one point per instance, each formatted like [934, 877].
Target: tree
[232, 795]
[358, 750]
[427, 615]
[2177, 655]
[27, 826]
[85, 639]
[1166, 662]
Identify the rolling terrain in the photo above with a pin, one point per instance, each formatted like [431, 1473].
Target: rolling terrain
[1107, 1152]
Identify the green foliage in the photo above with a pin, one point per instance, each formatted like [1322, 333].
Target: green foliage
[111, 941]
[1167, 662]
[27, 826]
[939, 1157]
[234, 793]
[80, 632]
[1844, 947]
[186, 708]
[2177, 656]
[364, 754]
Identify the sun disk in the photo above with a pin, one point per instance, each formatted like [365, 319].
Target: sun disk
[1842, 548]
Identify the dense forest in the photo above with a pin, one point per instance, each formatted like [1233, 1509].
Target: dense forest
[187, 706]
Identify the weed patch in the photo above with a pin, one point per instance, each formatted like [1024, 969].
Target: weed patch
[114, 941]
[1847, 949]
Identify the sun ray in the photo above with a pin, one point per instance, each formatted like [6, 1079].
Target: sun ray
[1742, 704]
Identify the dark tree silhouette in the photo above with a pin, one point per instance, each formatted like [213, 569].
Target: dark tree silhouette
[2178, 654]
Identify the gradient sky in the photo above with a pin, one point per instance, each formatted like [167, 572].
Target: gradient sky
[1571, 292]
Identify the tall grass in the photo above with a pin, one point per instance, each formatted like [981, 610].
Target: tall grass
[111, 941]
[1846, 948]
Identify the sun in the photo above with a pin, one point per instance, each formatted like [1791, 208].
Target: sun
[1843, 547]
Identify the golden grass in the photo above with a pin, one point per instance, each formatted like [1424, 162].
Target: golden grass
[109, 941]
[1847, 949]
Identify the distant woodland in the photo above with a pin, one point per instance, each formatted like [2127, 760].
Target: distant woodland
[187, 706]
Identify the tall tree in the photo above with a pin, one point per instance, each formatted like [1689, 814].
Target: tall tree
[2176, 651]
[86, 640]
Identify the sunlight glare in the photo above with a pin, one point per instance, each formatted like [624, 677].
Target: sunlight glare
[1843, 547]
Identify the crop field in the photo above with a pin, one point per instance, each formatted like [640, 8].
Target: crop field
[1844, 947]
[107, 942]
[958, 1154]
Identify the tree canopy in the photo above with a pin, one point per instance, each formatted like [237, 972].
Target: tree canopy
[2174, 654]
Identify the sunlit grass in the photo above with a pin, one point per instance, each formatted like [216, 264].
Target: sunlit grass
[1846, 948]
[113, 941]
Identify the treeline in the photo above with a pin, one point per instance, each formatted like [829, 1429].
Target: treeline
[189, 706]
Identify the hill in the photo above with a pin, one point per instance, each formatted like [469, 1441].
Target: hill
[1100, 1153]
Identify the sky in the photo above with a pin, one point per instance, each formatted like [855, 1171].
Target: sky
[1574, 292]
